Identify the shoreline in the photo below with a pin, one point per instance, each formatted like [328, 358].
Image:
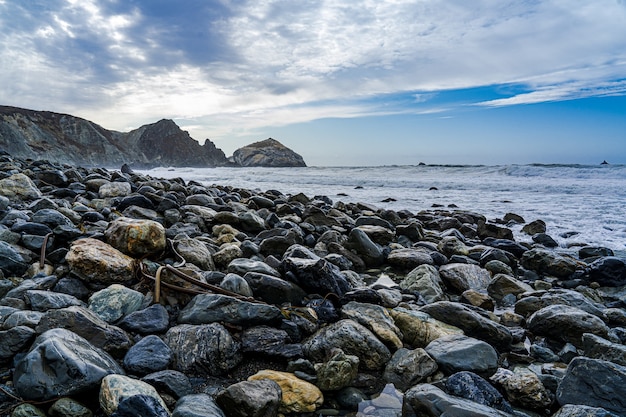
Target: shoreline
[286, 304]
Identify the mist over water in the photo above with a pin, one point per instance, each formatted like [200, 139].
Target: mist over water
[588, 200]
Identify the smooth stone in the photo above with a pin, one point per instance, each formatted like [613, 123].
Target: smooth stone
[242, 266]
[95, 261]
[477, 389]
[210, 308]
[27, 410]
[19, 187]
[368, 250]
[61, 363]
[68, 407]
[595, 383]
[227, 254]
[543, 261]
[597, 347]
[337, 372]
[114, 189]
[269, 341]
[577, 410]
[471, 322]
[425, 280]
[608, 272]
[490, 230]
[237, 284]
[203, 349]
[429, 400]
[506, 245]
[457, 353]
[197, 405]
[451, 245]
[502, 285]
[378, 234]
[251, 222]
[377, 319]
[13, 340]
[148, 355]
[153, 319]
[195, 252]
[22, 318]
[419, 328]
[298, 396]
[114, 302]
[565, 324]
[388, 403]
[594, 252]
[251, 399]
[51, 218]
[14, 261]
[535, 301]
[116, 387]
[545, 240]
[141, 405]
[46, 300]
[88, 325]
[274, 290]
[136, 237]
[523, 388]
[496, 267]
[461, 277]
[408, 368]
[170, 382]
[534, 227]
[353, 339]
[316, 276]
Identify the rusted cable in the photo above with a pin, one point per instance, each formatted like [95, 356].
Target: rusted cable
[157, 285]
[42, 256]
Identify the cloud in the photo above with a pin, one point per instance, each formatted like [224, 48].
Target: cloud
[242, 65]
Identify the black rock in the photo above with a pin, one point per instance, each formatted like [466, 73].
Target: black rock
[153, 319]
[316, 276]
[170, 382]
[148, 355]
[140, 405]
[608, 272]
[473, 387]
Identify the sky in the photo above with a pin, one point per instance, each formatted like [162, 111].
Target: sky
[359, 82]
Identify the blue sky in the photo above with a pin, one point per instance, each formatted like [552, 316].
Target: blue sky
[364, 82]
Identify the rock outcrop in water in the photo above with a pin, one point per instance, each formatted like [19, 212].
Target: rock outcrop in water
[267, 153]
[154, 296]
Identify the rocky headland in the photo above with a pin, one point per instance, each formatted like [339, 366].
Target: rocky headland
[125, 295]
[64, 138]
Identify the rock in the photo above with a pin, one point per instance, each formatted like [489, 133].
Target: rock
[115, 302]
[425, 279]
[67, 407]
[597, 347]
[203, 349]
[474, 388]
[227, 254]
[140, 405]
[170, 382]
[523, 388]
[315, 276]
[148, 355]
[388, 403]
[353, 339]
[451, 245]
[457, 353]
[490, 230]
[565, 324]
[545, 262]
[502, 285]
[535, 301]
[594, 383]
[534, 227]
[195, 252]
[409, 258]
[211, 308]
[274, 290]
[608, 271]
[236, 284]
[95, 261]
[462, 277]
[594, 252]
[337, 372]
[298, 396]
[136, 237]
[197, 405]
[61, 363]
[115, 388]
[471, 322]
[153, 319]
[47, 300]
[18, 187]
[409, 367]
[14, 340]
[545, 240]
[369, 251]
[269, 341]
[377, 319]
[242, 266]
[260, 398]
[22, 318]
[267, 153]
[428, 400]
[14, 261]
[27, 410]
[575, 410]
[88, 325]
[419, 329]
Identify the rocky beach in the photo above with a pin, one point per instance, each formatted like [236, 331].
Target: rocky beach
[122, 295]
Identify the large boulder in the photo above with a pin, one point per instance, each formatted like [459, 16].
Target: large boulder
[95, 261]
[267, 153]
[136, 237]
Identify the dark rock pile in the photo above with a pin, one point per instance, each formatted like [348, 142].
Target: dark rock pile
[161, 297]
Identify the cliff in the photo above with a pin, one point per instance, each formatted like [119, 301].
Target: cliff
[69, 139]
[267, 153]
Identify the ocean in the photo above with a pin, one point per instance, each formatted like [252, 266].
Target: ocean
[581, 204]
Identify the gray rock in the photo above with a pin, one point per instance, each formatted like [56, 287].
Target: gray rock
[523, 388]
[533, 302]
[235, 283]
[251, 399]
[429, 400]
[316, 276]
[46, 300]
[595, 383]
[18, 187]
[389, 403]
[251, 222]
[608, 272]
[170, 382]
[148, 355]
[114, 302]
[502, 285]
[576, 410]
[369, 251]
[409, 258]
[565, 324]
[274, 290]
[116, 388]
[241, 266]
[377, 319]
[203, 349]
[337, 372]
[22, 318]
[67, 407]
[52, 218]
[211, 308]
[474, 388]
[197, 405]
[140, 405]
[457, 353]
[409, 367]
[88, 325]
[196, 252]
[471, 322]
[461, 277]
[14, 340]
[547, 262]
[153, 319]
[61, 363]
[267, 153]
[269, 341]
[597, 347]
[14, 261]
[419, 329]
[425, 279]
[353, 339]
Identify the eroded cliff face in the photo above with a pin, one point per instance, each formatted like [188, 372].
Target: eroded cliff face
[268, 153]
[69, 139]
